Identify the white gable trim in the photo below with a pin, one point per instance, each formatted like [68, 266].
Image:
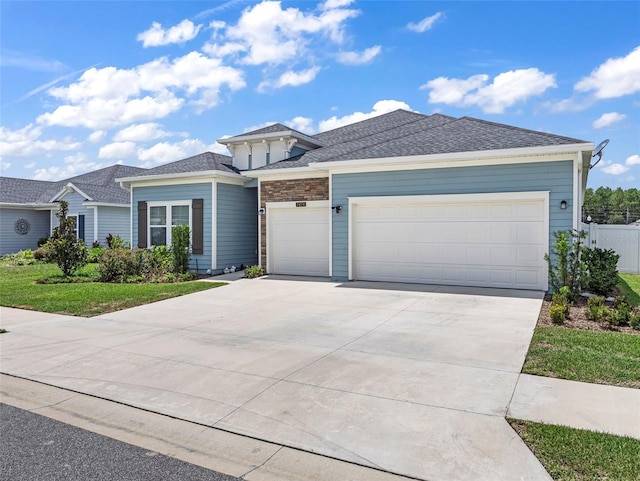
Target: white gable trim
[67, 189]
[182, 178]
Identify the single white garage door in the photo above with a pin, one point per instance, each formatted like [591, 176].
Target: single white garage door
[298, 242]
[474, 240]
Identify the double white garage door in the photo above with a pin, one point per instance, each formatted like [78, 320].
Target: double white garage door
[490, 240]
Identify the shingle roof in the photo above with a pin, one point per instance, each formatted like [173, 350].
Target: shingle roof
[402, 133]
[206, 161]
[100, 185]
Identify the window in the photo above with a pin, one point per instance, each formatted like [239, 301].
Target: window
[163, 217]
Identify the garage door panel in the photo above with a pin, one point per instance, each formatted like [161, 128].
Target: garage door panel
[299, 241]
[483, 243]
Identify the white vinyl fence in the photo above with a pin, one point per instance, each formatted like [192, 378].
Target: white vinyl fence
[623, 239]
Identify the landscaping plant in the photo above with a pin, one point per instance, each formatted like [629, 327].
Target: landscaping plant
[602, 265]
[253, 272]
[566, 266]
[65, 249]
[180, 249]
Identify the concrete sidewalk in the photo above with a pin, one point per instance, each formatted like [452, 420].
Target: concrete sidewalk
[414, 380]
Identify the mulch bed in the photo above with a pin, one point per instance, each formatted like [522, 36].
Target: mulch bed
[578, 318]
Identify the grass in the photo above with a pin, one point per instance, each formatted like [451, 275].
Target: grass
[579, 455]
[629, 285]
[18, 288]
[588, 356]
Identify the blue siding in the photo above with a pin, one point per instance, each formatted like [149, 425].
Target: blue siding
[10, 241]
[237, 225]
[179, 192]
[115, 221]
[76, 207]
[556, 177]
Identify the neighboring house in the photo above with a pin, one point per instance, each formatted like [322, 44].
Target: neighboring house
[402, 197]
[28, 207]
[209, 195]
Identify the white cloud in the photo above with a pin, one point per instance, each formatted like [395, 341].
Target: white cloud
[4, 165]
[614, 78]
[615, 169]
[380, 107]
[110, 97]
[73, 165]
[633, 160]
[608, 119]
[267, 33]
[26, 142]
[302, 124]
[507, 89]
[331, 4]
[28, 61]
[96, 136]
[117, 150]
[157, 36]
[290, 79]
[141, 133]
[164, 152]
[359, 58]
[426, 23]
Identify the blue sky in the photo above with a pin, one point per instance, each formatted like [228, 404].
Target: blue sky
[89, 84]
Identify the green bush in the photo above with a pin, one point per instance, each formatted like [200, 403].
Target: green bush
[159, 262]
[94, 254]
[558, 313]
[602, 266]
[119, 265]
[65, 249]
[594, 307]
[634, 319]
[41, 253]
[42, 241]
[117, 242]
[180, 248]
[253, 272]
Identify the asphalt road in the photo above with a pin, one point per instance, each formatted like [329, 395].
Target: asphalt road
[36, 448]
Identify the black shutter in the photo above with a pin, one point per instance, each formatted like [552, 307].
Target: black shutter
[142, 224]
[197, 230]
[81, 227]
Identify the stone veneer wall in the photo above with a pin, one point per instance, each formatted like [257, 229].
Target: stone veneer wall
[292, 190]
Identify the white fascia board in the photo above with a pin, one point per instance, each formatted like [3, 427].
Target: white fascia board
[292, 173]
[455, 159]
[201, 176]
[10, 205]
[441, 198]
[105, 204]
[68, 188]
[270, 136]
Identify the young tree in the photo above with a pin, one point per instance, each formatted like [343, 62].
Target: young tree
[69, 252]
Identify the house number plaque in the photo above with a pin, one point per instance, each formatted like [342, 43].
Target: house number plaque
[301, 204]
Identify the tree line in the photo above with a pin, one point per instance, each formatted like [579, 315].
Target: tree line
[607, 206]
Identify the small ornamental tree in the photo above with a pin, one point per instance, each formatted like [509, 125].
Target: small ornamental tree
[66, 250]
[180, 249]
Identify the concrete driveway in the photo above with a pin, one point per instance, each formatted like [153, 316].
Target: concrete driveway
[415, 380]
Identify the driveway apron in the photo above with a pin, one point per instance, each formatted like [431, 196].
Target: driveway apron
[415, 380]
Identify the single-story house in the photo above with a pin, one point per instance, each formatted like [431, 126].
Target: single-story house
[28, 207]
[402, 197]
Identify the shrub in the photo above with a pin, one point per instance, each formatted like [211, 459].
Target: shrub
[594, 307]
[558, 313]
[42, 241]
[602, 265]
[94, 254]
[253, 272]
[634, 319]
[620, 315]
[65, 249]
[117, 242]
[180, 249]
[118, 265]
[159, 262]
[567, 267]
[41, 253]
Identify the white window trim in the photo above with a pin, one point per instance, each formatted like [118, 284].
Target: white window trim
[168, 225]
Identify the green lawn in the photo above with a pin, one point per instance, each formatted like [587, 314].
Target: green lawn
[18, 288]
[578, 455]
[589, 356]
[629, 285]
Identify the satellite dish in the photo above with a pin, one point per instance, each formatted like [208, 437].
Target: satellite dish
[598, 151]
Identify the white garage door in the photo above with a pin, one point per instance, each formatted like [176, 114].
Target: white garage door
[476, 240]
[298, 242]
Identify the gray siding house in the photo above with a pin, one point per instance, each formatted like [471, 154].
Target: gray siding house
[99, 204]
[402, 197]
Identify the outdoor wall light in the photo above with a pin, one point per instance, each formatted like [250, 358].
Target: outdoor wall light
[337, 208]
[262, 211]
[563, 204]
